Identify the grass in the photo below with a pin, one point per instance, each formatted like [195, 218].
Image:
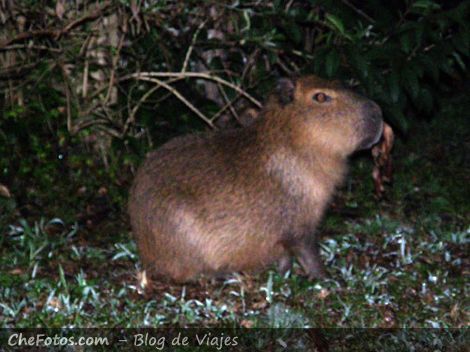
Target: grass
[399, 262]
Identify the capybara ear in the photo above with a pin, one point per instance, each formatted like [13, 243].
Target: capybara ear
[337, 83]
[285, 90]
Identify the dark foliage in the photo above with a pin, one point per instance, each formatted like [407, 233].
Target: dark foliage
[88, 87]
[67, 90]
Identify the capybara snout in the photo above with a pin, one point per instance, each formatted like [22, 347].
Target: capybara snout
[243, 199]
[372, 124]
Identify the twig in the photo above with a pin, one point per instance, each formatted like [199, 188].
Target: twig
[225, 107]
[85, 78]
[34, 47]
[289, 4]
[228, 103]
[84, 50]
[191, 46]
[180, 97]
[87, 123]
[250, 62]
[92, 16]
[358, 11]
[67, 99]
[58, 32]
[17, 71]
[28, 35]
[131, 118]
[284, 67]
[113, 69]
[200, 75]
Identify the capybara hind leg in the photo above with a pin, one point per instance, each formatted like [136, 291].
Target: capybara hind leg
[310, 260]
[307, 253]
[170, 273]
[183, 274]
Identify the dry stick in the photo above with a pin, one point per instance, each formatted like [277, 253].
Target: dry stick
[131, 118]
[288, 6]
[67, 99]
[88, 123]
[126, 78]
[10, 72]
[85, 78]
[57, 33]
[92, 16]
[225, 107]
[180, 97]
[86, 44]
[178, 76]
[140, 102]
[250, 63]
[283, 66]
[99, 118]
[227, 102]
[200, 75]
[113, 69]
[27, 46]
[26, 82]
[28, 35]
[358, 11]
[191, 46]
[85, 51]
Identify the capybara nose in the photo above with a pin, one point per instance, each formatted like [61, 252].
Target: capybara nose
[372, 110]
[372, 124]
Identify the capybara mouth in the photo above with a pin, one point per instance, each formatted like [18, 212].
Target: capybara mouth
[373, 129]
[372, 125]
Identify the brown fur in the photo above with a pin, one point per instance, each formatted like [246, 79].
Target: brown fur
[239, 200]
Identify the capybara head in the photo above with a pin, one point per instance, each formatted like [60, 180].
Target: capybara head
[326, 115]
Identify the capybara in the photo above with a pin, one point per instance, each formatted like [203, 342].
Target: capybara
[241, 199]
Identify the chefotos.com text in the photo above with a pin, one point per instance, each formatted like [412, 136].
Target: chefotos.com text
[18, 339]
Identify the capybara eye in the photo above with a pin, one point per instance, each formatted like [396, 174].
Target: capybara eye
[321, 97]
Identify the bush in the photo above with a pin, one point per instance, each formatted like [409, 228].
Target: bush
[99, 84]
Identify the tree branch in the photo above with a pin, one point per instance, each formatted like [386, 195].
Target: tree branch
[58, 32]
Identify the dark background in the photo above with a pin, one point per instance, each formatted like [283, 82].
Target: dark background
[76, 120]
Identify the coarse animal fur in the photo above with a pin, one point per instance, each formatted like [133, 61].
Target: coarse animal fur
[242, 199]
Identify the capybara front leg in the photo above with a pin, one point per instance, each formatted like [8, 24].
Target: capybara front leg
[284, 264]
[309, 258]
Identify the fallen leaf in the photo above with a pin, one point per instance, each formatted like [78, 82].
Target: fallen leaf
[247, 323]
[323, 293]
[4, 191]
[60, 8]
[455, 312]
[142, 281]
[55, 303]
[17, 271]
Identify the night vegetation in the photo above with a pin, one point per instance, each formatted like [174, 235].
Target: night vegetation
[89, 87]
